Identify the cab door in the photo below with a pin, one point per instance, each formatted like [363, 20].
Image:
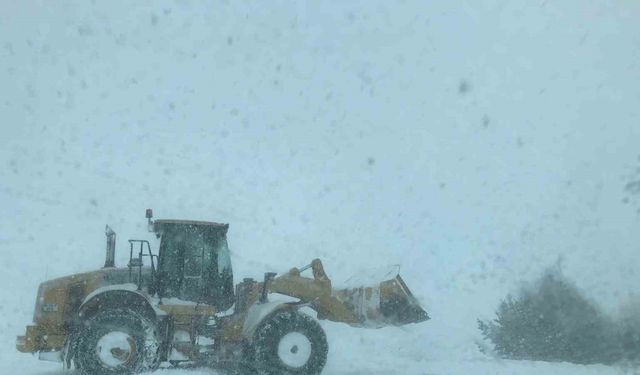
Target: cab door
[183, 258]
[194, 264]
[196, 261]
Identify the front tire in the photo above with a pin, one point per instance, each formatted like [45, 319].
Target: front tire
[117, 342]
[290, 343]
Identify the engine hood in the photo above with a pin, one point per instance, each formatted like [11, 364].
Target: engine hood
[58, 299]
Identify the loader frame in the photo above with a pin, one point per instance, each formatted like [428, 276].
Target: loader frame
[192, 330]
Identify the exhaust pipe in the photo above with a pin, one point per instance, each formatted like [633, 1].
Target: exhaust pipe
[111, 247]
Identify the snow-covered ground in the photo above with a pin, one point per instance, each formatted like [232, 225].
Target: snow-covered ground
[474, 143]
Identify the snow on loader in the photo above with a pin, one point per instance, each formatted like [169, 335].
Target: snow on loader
[182, 308]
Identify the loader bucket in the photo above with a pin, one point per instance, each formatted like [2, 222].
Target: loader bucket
[388, 304]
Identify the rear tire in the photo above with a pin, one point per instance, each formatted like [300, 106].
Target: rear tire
[289, 343]
[117, 341]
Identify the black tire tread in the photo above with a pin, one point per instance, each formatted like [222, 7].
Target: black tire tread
[264, 349]
[93, 328]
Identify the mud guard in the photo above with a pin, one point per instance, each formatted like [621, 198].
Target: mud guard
[117, 295]
[262, 311]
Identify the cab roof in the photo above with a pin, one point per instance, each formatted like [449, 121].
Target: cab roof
[189, 222]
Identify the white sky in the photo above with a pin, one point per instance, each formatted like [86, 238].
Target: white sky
[328, 129]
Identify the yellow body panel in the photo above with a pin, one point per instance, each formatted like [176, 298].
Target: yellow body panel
[388, 303]
[57, 302]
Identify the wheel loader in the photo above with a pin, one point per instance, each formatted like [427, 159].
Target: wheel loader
[180, 307]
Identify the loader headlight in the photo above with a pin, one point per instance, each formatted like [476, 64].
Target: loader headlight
[50, 307]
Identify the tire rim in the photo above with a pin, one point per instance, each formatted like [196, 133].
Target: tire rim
[294, 349]
[116, 349]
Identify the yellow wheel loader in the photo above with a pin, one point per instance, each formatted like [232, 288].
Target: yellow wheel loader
[182, 308]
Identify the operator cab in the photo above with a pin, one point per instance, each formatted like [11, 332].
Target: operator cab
[194, 263]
